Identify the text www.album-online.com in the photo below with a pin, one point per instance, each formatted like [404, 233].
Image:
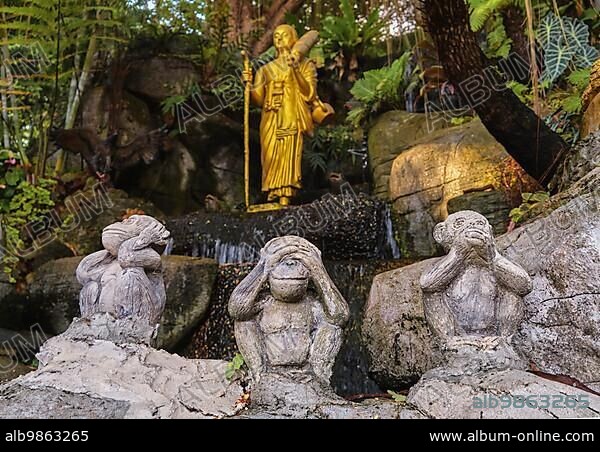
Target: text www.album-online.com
[537, 436]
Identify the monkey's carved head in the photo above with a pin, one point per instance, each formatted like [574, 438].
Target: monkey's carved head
[115, 234]
[465, 224]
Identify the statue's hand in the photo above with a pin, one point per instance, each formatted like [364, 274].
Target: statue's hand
[293, 59]
[310, 256]
[155, 233]
[474, 244]
[247, 76]
[273, 255]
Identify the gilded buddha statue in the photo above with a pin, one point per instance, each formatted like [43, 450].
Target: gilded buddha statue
[286, 90]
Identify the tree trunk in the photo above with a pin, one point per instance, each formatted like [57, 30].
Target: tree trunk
[524, 135]
[514, 23]
[240, 20]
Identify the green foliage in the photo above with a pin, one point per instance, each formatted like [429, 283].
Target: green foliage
[21, 203]
[400, 398]
[457, 121]
[234, 367]
[347, 37]
[565, 41]
[498, 44]
[481, 10]
[44, 57]
[329, 144]
[381, 87]
[530, 200]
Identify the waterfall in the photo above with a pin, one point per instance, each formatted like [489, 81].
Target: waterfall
[225, 252]
[169, 247]
[390, 241]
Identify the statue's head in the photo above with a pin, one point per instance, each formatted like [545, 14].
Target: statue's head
[284, 37]
[289, 275]
[115, 234]
[465, 223]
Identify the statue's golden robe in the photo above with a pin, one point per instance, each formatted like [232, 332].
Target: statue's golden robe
[286, 117]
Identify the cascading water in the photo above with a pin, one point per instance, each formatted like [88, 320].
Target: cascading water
[343, 226]
[390, 246]
[169, 247]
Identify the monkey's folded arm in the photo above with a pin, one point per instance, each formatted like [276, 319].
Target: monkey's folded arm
[130, 255]
[441, 273]
[243, 304]
[512, 275]
[93, 266]
[439, 316]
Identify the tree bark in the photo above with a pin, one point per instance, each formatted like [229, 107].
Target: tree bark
[514, 24]
[524, 135]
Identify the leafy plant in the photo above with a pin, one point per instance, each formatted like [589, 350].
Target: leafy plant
[565, 41]
[345, 38]
[381, 87]
[329, 144]
[400, 398]
[29, 204]
[530, 200]
[482, 10]
[234, 367]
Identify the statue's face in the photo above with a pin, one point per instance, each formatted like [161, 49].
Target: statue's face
[283, 38]
[289, 280]
[468, 224]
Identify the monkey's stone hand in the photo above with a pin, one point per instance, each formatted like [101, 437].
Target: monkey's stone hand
[273, 253]
[155, 233]
[310, 256]
[476, 243]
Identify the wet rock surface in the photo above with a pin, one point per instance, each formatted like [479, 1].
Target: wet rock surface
[345, 226]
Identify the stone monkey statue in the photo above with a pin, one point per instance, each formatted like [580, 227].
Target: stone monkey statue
[473, 291]
[282, 325]
[125, 279]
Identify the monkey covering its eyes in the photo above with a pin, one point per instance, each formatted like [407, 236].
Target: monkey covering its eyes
[289, 319]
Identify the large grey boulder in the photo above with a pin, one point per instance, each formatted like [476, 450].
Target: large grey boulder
[162, 77]
[560, 334]
[505, 394]
[392, 133]
[83, 377]
[444, 165]
[53, 296]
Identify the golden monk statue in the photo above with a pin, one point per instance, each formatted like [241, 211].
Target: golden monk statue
[286, 89]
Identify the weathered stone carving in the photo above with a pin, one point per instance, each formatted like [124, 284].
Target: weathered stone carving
[473, 295]
[125, 279]
[289, 320]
